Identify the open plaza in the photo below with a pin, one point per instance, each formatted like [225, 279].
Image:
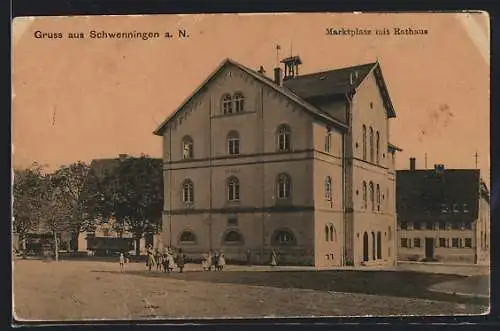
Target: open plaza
[86, 289]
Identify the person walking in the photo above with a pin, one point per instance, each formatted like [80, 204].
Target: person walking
[181, 260]
[249, 257]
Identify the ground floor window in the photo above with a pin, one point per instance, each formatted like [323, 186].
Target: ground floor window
[468, 242]
[416, 242]
[233, 238]
[442, 242]
[454, 243]
[187, 237]
[284, 238]
[404, 242]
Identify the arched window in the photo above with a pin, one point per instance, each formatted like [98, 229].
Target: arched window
[372, 156]
[327, 233]
[239, 102]
[233, 237]
[284, 138]
[379, 245]
[378, 197]
[187, 148]
[372, 196]
[365, 199]
[377, 142]
[333, 234]
[227, 104]
[233, 143]
[187, 237]
[328, 141]
[374, 247]
[284, 186]
[187, 191]
[233, 189]
[363, 143]
[328, 188]
[284, 238]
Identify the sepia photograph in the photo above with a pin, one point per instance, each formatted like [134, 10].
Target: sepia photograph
[235, 166]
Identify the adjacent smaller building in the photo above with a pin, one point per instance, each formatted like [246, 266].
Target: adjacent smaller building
[104, 239]
[442, 215]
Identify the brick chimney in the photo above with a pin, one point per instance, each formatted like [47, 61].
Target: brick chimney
[413, 163]
[278, 73]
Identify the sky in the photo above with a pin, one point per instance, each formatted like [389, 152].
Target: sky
[95, 98]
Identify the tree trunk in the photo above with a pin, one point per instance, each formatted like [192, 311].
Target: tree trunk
[56, 247]
[22, 244]
[137, 246]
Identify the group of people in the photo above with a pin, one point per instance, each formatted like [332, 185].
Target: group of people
[213, 259]
[165, 261]
[170, 259]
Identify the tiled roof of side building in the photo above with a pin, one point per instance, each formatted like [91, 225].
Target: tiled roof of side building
[448, 194]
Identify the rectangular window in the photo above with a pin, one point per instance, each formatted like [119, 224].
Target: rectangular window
[436, 225]
[442, 242]
[416, 242]
[404, 242]
[410, 225]
[455, 225]
[444, 208]
[454, 243]
[234, 146]
[468, 242]
[455, 208]
[448, 225]
[442, 225]
[417, 226]
[328, 142]
[404, 226]
[468, 225]
[465, 208]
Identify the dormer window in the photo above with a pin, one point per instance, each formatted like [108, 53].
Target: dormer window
[455, 208]
[227, 104]
[239, 102]
[465, 208]
[444, 208]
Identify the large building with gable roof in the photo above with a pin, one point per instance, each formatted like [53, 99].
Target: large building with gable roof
[299, 163]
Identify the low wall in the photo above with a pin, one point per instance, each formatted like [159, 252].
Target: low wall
[445, 268]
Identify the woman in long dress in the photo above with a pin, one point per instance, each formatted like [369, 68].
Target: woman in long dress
[204, 262]
[274, 261]
[180, 260]
[222, 261]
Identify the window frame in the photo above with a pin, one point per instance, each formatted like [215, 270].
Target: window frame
[233, 189]
[284, 138]
[187, 192]
[283, 185]
[239, 102]
[233, 143]
[187, 140]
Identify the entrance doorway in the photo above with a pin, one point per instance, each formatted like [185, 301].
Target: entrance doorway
[365, 247]
[429, 248]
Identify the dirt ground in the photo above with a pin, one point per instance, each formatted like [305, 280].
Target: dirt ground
[83, 290]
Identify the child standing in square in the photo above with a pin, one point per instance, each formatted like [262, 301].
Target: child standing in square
[122, 262]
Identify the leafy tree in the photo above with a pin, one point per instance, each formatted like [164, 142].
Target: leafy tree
[132, 194]
[57, 209]
[77, 183]
[27, 201]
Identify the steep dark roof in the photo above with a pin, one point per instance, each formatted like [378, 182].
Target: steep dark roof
[421, 194]
[305, 88]
[330, 82]
[338, 82]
